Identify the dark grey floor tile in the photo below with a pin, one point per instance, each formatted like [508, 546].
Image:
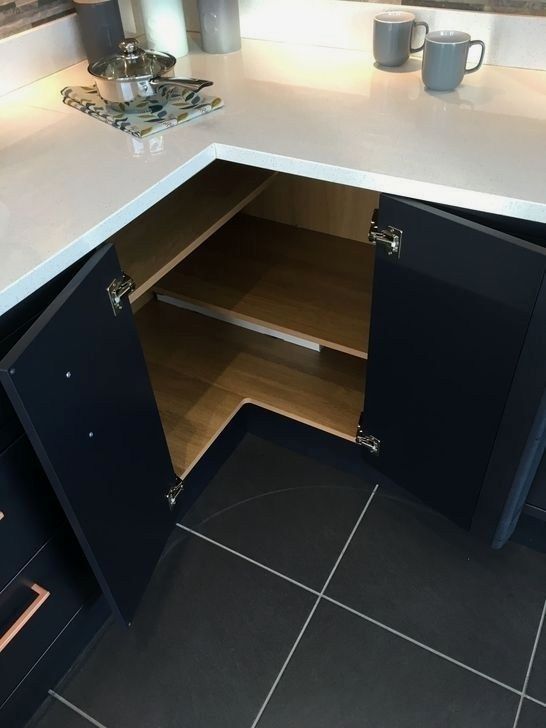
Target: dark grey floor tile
[57, 715]
[537, 680]
[347, 672]
[204, 649]
[281, 508]
[530, 532]
[413, 570]
[532, 716]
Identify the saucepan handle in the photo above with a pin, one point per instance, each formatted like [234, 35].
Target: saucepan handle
[190, 84]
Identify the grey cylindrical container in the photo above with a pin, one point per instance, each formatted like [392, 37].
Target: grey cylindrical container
[220, 29]
[100, 27]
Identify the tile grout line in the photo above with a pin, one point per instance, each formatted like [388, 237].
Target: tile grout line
[535, 700]
[530, 666]
[285, 664]
[381, 625]
[321, 595]
[312, 612]
[247, 558]
[422, 645]
[75, 708]
[347, 543]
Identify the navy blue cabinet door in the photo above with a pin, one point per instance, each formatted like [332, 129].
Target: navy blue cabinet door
[79, 384]
[450, 316]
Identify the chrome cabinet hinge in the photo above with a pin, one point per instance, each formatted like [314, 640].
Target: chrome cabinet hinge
[117, 289]
[371, 443]
[390, 238]
[172, 494]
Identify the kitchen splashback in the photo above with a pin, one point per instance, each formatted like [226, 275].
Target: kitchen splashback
[511, 40]
[19, 15]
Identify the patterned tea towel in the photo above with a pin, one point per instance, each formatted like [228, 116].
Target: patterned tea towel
[149, 117]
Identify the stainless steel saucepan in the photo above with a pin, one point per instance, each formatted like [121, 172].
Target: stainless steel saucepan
[125, 79]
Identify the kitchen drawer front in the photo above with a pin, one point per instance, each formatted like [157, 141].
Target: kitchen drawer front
[28, 507]
[37, 605]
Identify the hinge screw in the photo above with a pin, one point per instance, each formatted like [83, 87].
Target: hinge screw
[12, 371]
[91, 434]
[68, 375]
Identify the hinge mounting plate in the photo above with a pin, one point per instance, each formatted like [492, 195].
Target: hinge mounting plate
[370, 442]
[117, 289]
[390, 238]
[172, 494]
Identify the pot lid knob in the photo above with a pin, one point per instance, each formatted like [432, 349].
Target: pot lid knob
[130, 48]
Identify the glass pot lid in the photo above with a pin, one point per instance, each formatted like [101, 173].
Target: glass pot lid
[132, 63]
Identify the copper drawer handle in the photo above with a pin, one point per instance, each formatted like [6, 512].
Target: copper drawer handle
[41, 596]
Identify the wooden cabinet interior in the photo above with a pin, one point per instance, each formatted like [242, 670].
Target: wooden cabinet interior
[312, 285]
[156, 241]
[204, 370]
[317, 205]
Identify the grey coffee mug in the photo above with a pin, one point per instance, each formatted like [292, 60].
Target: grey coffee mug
[392, 37]
[445, 57]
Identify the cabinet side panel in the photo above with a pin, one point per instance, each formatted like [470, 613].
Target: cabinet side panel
[519, 445]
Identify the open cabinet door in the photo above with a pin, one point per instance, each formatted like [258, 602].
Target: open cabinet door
[450, 314]
[79, 384]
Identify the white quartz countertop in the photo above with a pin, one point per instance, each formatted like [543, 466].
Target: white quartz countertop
[67, 181]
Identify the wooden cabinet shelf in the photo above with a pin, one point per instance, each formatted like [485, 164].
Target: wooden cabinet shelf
[306, 284]
[314, 286]
[204, 370]
[160, 238]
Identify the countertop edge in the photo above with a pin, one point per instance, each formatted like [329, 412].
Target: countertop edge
[387, 184]
[19, 289]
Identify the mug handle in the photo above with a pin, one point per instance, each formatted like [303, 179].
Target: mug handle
[425, 26]
[479, 64]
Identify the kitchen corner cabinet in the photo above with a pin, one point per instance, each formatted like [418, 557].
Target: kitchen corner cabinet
[425, 350]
